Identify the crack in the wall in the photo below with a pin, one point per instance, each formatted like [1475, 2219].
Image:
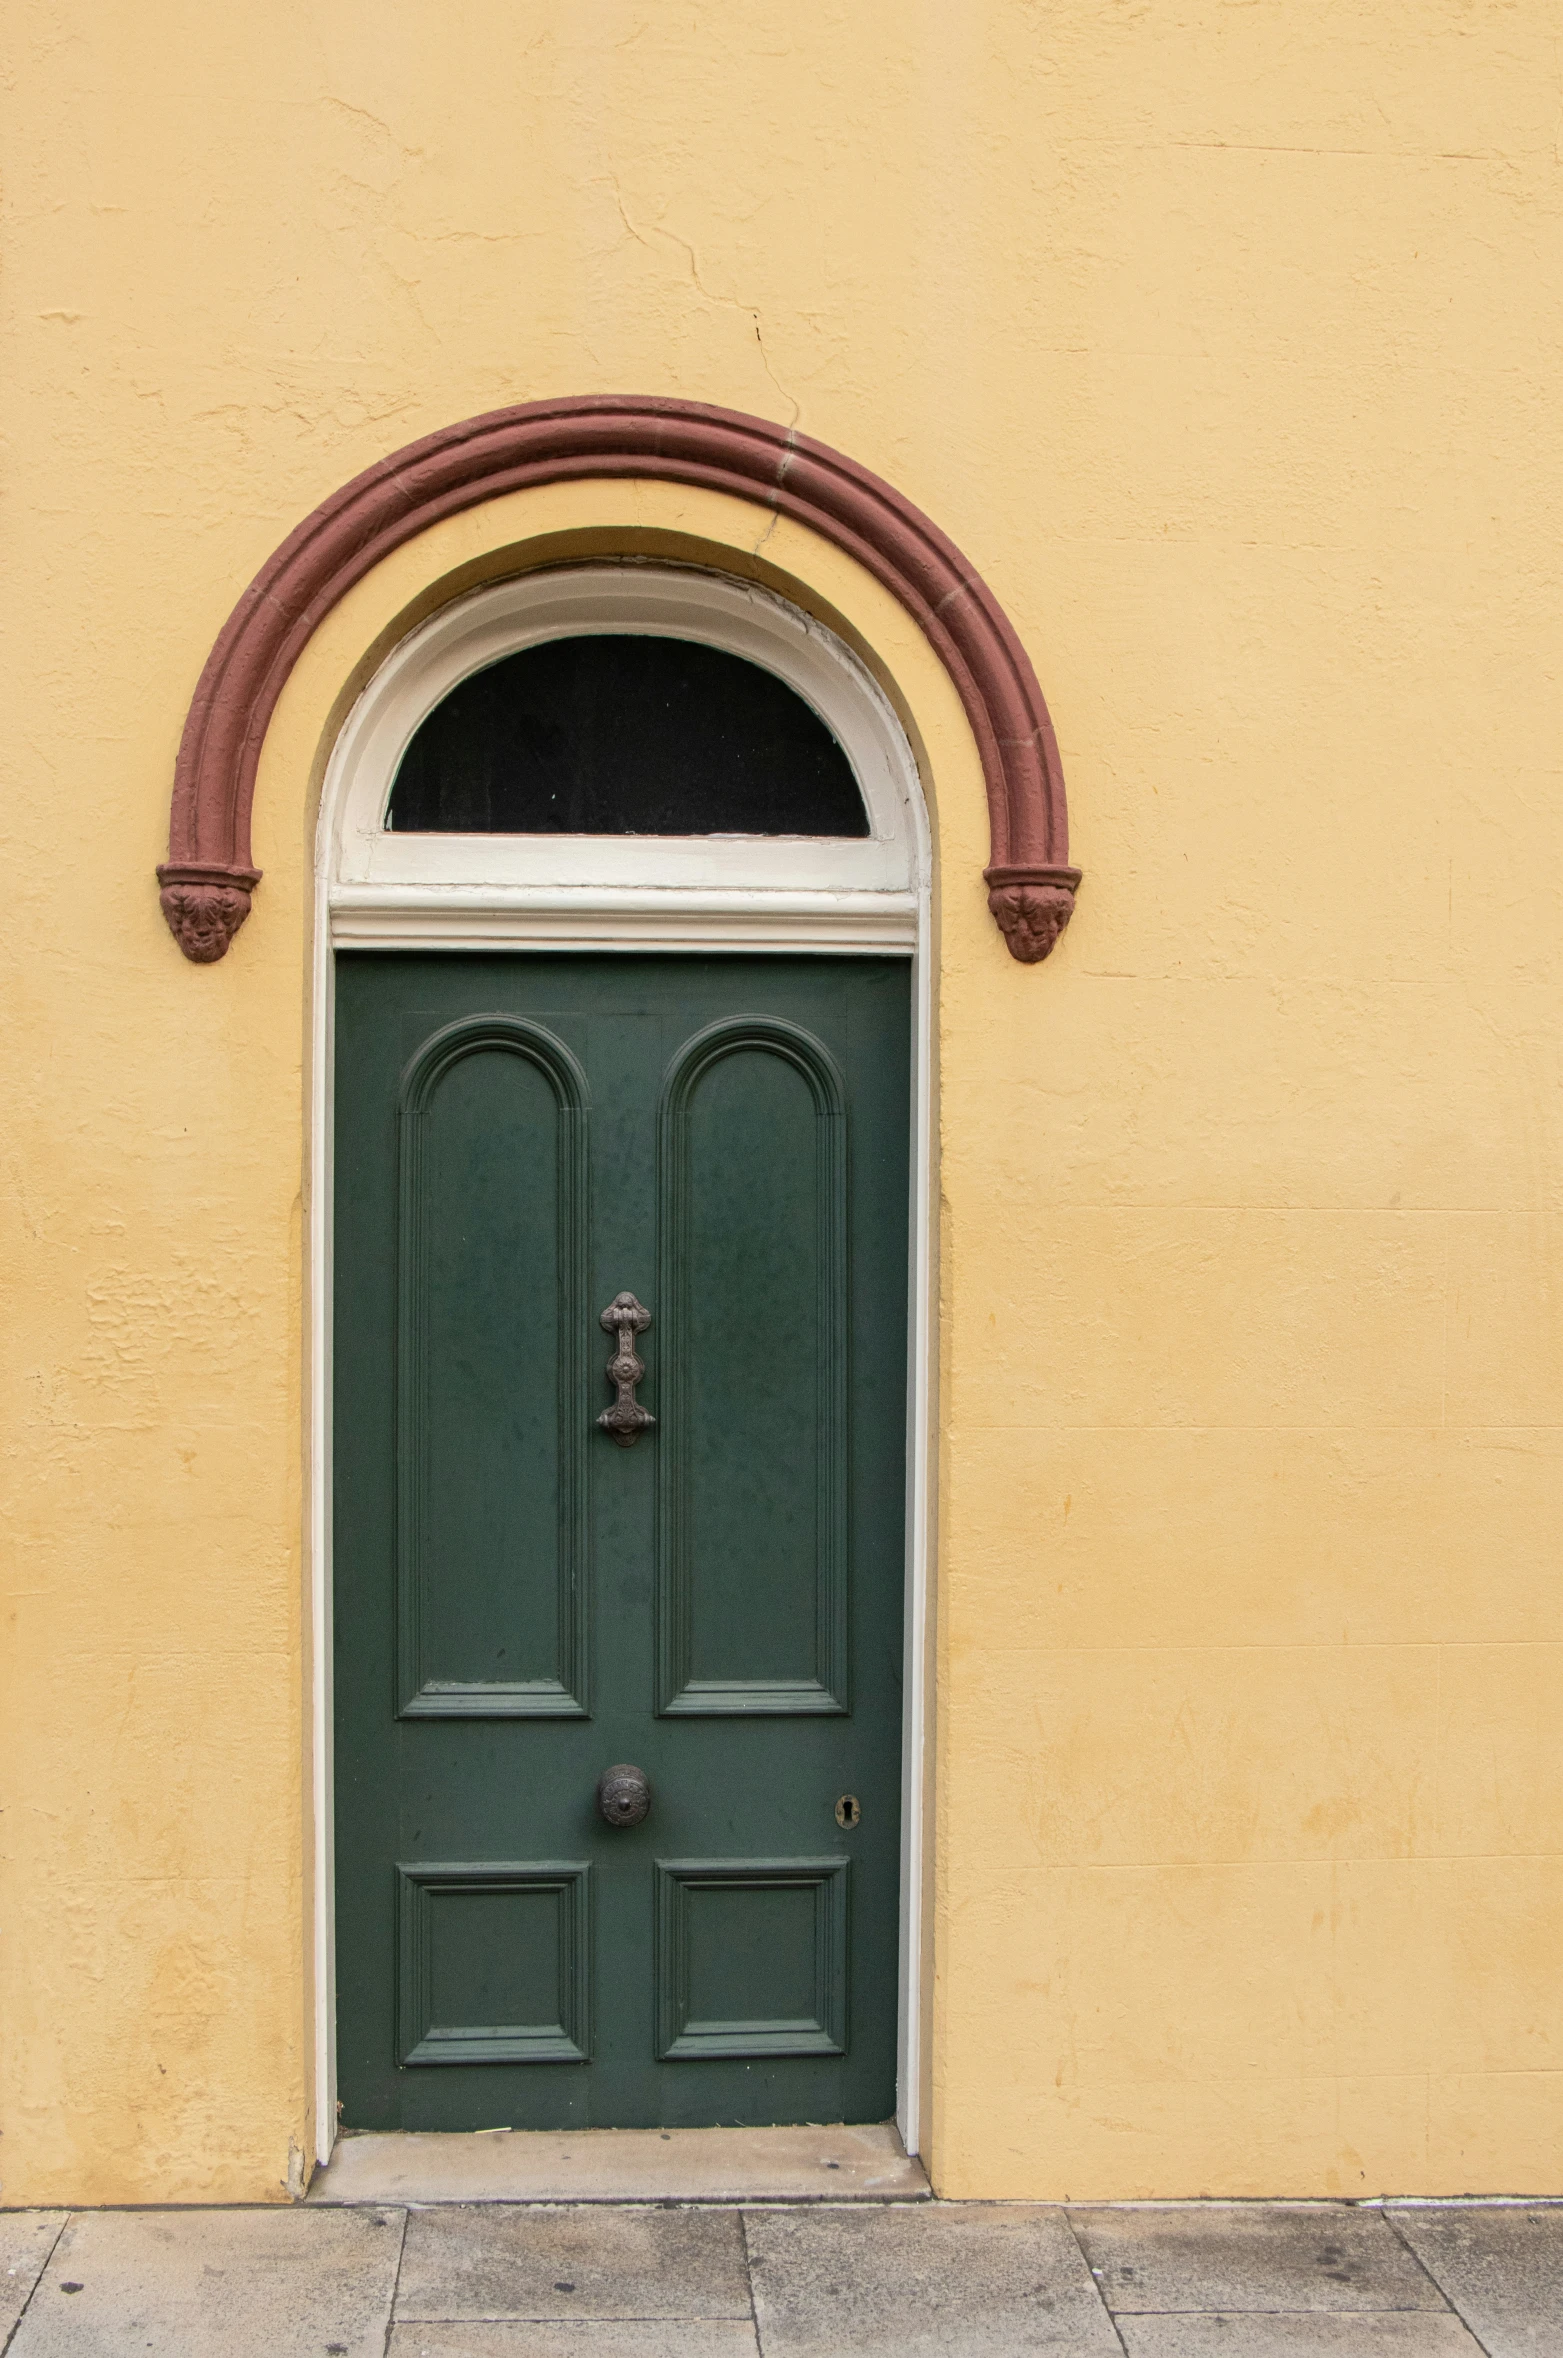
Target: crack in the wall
[376, 123]
[710, 295]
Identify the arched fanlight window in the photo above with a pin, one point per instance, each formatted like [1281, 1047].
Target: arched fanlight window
[625, 734]
[620, 752]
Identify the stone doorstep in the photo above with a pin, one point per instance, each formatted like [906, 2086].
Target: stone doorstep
[834, 2164]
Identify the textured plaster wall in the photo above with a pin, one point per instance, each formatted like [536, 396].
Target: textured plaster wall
[1223, 335]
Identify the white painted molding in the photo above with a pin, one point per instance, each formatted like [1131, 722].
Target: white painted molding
[463, 918]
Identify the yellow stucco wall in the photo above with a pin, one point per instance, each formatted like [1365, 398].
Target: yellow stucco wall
[1224, 338]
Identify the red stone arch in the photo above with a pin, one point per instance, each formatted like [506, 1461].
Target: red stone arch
[208, 877]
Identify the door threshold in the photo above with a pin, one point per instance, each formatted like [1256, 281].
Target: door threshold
[863, 2164]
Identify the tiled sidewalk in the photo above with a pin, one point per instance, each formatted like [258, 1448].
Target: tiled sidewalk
[807, 2280]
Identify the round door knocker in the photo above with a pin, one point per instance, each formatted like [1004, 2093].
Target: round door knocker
[847, 1810]
[623, 1794]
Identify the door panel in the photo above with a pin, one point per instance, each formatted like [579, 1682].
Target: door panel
[519, 1139]
[492, 1309]
[494, 1962]
[752, 1590]
[752, 1956]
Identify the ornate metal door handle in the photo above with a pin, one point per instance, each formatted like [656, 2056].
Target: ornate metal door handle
[626, 1420]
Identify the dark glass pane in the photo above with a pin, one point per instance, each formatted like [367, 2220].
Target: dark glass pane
[625, 736]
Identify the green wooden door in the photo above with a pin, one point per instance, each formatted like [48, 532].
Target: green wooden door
[521, 1602]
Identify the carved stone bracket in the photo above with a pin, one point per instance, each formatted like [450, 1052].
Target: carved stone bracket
[1032, 906]
[208, 878]
[205, 906]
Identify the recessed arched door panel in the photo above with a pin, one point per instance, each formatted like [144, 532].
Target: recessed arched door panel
[491, 1303]
[753, 1469]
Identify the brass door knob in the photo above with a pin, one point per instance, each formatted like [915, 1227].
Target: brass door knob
[623, 1794]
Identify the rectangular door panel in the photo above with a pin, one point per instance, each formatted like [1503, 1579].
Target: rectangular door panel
[752, 1956]
[493, 1962]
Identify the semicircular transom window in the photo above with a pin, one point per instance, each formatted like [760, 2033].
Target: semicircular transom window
[625, 734]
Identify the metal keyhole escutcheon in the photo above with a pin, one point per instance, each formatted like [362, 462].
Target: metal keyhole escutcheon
[623, 1794]
[626, 1420]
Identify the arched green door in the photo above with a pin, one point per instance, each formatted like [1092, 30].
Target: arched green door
[524, 1599]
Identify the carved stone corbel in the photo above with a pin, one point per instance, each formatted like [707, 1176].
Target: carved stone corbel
[205, 906]
[1031, 907]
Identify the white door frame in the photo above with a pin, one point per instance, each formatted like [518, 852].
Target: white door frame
[865, 896]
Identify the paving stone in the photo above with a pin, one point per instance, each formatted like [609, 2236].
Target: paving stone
[215, 2284]
[1246, 2256]
[26, 2240]
[956, 2280]
[1501, 2265]
[534, 2260]
[1310, 2333]
[666, 2337]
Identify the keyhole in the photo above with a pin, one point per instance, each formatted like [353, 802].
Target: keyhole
[847, 1810]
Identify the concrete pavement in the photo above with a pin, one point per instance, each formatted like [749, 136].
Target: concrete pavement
[816, 2279]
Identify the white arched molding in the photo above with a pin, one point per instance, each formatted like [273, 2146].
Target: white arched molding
[423, 890]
